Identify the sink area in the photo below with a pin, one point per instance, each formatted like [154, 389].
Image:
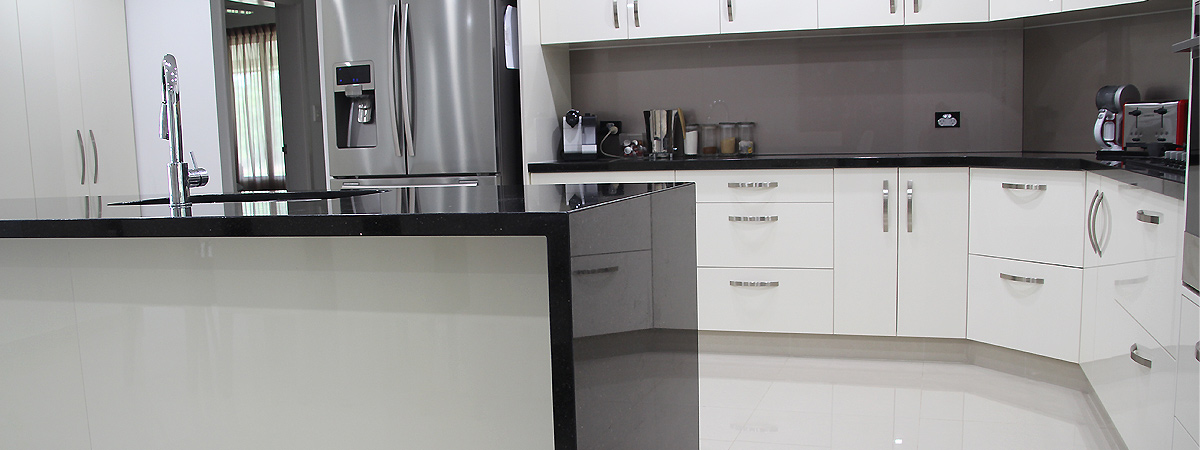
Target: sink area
[246, 197]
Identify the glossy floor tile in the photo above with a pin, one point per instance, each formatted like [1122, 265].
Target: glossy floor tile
[753, 402]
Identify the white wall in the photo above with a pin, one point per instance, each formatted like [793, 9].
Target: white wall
[545, 88]
[183, 28]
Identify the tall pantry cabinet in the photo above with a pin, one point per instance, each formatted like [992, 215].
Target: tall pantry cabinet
[16, 171]
[77, 102]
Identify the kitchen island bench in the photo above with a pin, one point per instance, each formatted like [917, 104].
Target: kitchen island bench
[553, 317]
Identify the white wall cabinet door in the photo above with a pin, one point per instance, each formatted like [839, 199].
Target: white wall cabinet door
[16, 171]
[50, 58]
[748, 16]
[1011, 9]
[860, 13]
[864, 243]
[665, 18]
[107, 102]
[1071, 5]
[565, 21]
[931, 274]
[920, 12]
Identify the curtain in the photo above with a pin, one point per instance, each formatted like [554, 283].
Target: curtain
[254, 61]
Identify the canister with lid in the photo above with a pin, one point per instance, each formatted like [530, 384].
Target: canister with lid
[745, 139]
[728, 138]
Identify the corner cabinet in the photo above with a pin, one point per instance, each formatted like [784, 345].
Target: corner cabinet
[900, 241]
[75, 64]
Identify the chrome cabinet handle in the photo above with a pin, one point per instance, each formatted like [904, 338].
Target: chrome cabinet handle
[637, 18]
[616, 20]
[1091, 225]
[1005, 276]
[916, 6]
[753, 218]
[886, 213]
[766, 184]
[729, 9]
[893, 6]
[1024, 187]
[1133, 349]
[1100, 242]
[405, 94]
[910, 209]
[95, 158]
[610, 269]
[82, 159]
[1143, 216]
[753, 283]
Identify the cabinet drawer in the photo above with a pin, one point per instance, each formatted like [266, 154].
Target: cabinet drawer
[1030, 215]
[1024, 306]
[1147, 291]
[795, 186]
[784, 301]
[643, 176]
[1139, 399]
[764, 235]
[1131, 223]
[611, 293]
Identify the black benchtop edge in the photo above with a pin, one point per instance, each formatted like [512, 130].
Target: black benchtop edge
[819, 162]
[435, 224]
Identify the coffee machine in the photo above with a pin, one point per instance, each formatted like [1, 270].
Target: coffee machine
[579, 136]
[354, 105]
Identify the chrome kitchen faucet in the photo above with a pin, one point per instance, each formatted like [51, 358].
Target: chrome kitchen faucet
[181, 177]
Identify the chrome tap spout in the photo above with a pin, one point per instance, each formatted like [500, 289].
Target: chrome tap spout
[182, 179]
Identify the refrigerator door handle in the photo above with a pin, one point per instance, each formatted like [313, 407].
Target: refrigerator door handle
[392, 78]
[405, 94]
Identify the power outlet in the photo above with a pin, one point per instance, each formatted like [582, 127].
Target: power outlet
[611, 145]
[947, 119]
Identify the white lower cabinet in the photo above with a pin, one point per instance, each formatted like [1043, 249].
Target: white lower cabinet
[1030, 215]
[1128, 223]
[1134, 378]
[761, 186]
[1147, 290]
[1025, 306]
[900, 251]
[765, 300]
[797, 235]
[647, 176]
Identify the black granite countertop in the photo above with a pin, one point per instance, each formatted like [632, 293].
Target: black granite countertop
[1157, 181]
[423, 211]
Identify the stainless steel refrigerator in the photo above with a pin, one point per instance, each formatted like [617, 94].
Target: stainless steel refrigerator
[420, 92]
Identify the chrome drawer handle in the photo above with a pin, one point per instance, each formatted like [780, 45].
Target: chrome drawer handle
[759, 185]
[1143, 216]
[596, 271]
[1023, 187]
[1005, 276]
[1138, 358]
[753, 283]
[753, 218]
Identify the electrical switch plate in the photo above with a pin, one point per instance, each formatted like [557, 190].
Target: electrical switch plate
[947, 119]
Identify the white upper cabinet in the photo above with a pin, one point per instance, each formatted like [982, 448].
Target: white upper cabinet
[860, 13]
[583, 21]
[16, 172]
[106, 95]
[665, 18]
[1011, 9]
[1071, 5]
[865, 13]
[920, 12]
[748, 16]
[566, 21]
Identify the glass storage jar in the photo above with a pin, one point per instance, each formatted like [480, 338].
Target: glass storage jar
[728, 138]
[745, 139]
[708, 140]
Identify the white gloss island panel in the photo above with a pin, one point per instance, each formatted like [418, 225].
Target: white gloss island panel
[1030, 215]
[1025, 306]
[766, 300]
[42, 401]
[363, 342]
